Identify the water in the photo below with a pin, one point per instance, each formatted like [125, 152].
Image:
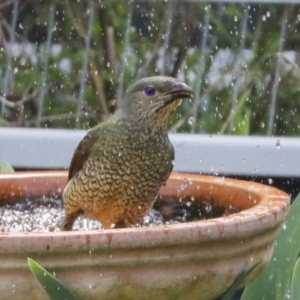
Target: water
[46, 215]
[191, 120]
[39, 215]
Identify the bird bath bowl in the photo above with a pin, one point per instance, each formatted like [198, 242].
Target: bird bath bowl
[195, 260]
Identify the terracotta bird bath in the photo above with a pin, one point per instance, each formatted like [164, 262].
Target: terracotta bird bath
[195, 260]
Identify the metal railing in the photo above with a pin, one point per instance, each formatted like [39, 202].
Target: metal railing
[31, 148]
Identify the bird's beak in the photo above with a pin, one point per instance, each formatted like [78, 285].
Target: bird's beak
[178, 91]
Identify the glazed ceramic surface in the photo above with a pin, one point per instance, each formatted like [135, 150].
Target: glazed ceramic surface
[196, 260]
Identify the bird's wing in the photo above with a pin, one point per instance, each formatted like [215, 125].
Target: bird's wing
[172, 157]
[84, 148]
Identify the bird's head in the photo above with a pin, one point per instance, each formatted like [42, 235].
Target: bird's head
[153, 99]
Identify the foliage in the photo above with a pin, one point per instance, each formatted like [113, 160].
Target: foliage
[235, 89]
[5, 167]
[280, 280]
[295, 287]
[55, 289]
[231, 291]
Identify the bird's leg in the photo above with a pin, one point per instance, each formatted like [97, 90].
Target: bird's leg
[128, 222]
[69, 220]
[120, 224]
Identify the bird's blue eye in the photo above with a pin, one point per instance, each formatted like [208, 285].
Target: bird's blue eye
[149, 91]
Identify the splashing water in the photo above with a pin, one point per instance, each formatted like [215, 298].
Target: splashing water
[46, 214]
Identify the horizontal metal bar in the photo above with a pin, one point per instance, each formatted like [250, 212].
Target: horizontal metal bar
[206, 154]
[237, 155]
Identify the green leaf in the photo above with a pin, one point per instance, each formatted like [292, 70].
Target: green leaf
[55, 289]
[5, 167]
[236, 285]
[274, 282]
[242, 115]
[242, 122]
[295, 287]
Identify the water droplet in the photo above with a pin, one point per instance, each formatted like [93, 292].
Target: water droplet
[191, 120]
[284, 226]
[188, 204]
[183, 187]
[244, 159]
[270, 180]
[278, 144]
[173, 162]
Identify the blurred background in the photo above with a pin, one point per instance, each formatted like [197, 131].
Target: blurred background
[66, 64]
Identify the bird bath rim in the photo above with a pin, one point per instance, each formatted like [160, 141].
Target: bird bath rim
[271, 207]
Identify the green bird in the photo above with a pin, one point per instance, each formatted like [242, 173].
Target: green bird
[119, 166]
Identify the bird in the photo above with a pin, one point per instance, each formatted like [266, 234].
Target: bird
[119, 166]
